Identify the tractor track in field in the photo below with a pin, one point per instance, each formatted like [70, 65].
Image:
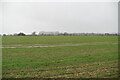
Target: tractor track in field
[57, 45]
[79, 72]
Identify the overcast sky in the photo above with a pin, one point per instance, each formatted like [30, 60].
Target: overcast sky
[27, 17]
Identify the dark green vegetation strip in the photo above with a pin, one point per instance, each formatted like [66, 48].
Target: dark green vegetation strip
[87, 61]
[22, 40]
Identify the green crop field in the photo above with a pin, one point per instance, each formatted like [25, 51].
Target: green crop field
[60, 56]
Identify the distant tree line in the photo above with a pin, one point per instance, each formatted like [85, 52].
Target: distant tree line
[61, 34]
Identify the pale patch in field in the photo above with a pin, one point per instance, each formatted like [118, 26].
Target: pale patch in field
[57, 45]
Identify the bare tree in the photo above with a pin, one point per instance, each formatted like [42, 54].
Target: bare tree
[34, 34]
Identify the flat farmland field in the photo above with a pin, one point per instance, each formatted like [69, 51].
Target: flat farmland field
[60, 56]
